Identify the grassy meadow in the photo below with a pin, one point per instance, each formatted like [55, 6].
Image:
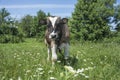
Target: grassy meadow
[88, 61]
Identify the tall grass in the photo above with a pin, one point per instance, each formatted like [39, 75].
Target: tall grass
[88, 61]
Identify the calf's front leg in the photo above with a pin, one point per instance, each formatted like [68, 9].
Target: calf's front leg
[54, 55]
[49, 50]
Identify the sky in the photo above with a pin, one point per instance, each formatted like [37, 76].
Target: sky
[20, 8]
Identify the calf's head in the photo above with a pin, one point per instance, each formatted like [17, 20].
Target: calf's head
[54, 26]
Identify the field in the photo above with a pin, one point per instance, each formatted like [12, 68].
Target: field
[88, 61]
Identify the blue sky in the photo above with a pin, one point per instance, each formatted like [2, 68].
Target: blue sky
[19, 8]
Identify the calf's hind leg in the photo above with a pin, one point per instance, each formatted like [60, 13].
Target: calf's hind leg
[66, 51]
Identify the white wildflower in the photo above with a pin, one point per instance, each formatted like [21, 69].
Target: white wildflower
[38, 53]
[19, 64]
[3, 78]
[70, 69]
[101, 62]
[91, 47]
[75, 75]
[77, 57]
[34, 75]
[19, 78]
[80, 70]
[58, 61]
[50, 71]
[39, 65]
[91, 63]
[86, 69]
[11, 79]
[84, 60]
[52, 78]
[41, 73]
[14, 56]
[61, 74]
[35, 65]
[81, 54]
[28, 71]
[82, 74]
[40, 69]
[86, 76]
[90, 68]
[94, 67]
[78, 52]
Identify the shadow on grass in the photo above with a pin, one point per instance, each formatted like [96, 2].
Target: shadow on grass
[71, 61]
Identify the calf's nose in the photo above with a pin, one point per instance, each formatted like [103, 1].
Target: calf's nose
[53, 36]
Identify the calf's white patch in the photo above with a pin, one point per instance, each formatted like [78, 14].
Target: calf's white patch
[53, 20]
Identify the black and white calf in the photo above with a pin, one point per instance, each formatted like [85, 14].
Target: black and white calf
[56, 36]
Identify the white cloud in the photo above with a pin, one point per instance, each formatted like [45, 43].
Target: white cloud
[38, 6]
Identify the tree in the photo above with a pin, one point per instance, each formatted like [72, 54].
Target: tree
[48, 14]
[27, 24]
[8, 30]
[30, 25]
[40, 29]
[117, 17]
[3, 15]
[90, 19]
[4, 21]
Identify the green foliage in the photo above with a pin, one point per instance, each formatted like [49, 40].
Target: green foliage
[40, 29]
[9, 32]
[90, 19]
[27, 25]
[3, 15]
[6, 38]
[30, 25]
[10, 35]
[117, 17]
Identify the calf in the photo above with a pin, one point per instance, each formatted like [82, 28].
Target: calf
[56, 36]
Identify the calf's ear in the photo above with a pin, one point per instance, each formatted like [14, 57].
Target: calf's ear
[64, 20]
[43, 21]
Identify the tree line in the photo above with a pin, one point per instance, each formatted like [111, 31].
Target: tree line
[12, 30]
[89, 21]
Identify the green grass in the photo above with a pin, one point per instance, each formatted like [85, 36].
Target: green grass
[27, 61]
